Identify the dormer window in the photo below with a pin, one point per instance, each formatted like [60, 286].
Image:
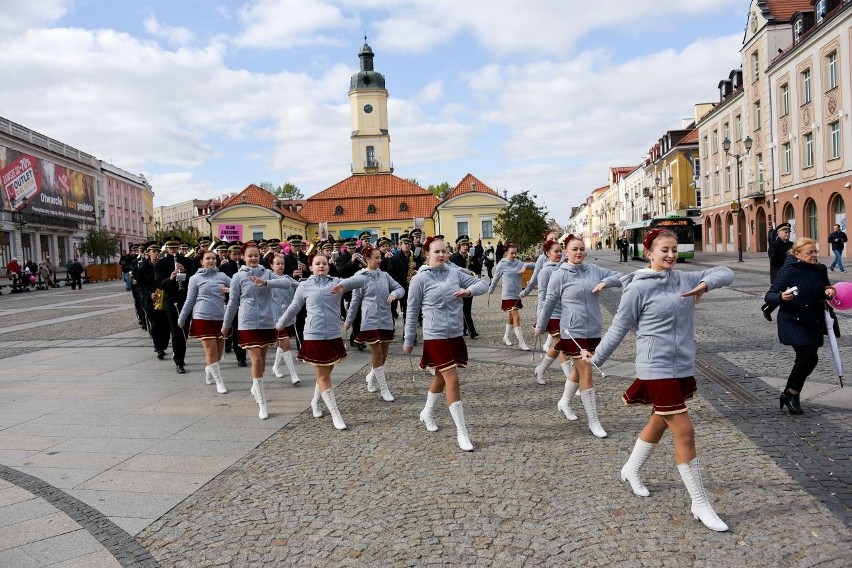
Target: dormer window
[820, 9]
[403, 206]
[798, 28]
[371, 208]
[338, 210]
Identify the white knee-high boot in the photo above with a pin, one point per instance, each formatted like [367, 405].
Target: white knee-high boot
[259, 397]
[276, 366]
[546, 362]
[216, 372]
[591, 406]
[457, 412]
[316, 409]
[331, 404]
[701, 508]
[426, 413]
[522, 345]
[371, 380]
[291, 368]
[208, 375]
[630, 472]
[564, 404]
[506, 336]
[548, 343]
[383, 384]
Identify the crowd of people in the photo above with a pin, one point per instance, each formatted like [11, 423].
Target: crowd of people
[248, 298]
[41, 276]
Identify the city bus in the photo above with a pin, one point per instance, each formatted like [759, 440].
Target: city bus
[683, 227]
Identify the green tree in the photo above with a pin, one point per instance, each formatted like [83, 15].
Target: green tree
[288, 191]
[522, 222]
[414, 181]
[185, 234]
[441, 190]
[100, 243]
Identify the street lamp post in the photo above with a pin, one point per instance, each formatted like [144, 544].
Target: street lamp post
[22, 219]
[726, 145]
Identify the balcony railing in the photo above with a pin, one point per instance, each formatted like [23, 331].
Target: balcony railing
[755, 189]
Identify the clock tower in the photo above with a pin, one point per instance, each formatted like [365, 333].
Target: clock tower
[368, 104]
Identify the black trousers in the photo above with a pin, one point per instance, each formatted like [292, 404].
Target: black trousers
[356, 328]
[624, 252]
[77, 281]
[806, 362]
[467, 305]
[239, 352]
[157, 323]
[177, 334]
[138, 304]
[300, 326]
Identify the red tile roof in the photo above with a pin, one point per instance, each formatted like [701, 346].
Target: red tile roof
[782, 10]
[385, 192]
[691, 138]
[464, 186]
[255, 195]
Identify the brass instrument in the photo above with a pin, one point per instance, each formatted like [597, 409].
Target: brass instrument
[412, 266]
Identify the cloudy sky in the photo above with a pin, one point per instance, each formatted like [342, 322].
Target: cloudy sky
[207, 96]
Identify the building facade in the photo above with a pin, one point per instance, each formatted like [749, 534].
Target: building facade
[125, 208]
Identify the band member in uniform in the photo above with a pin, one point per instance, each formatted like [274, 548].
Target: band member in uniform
[222, 252]
[229, 268]
[205, 302]
[384, 245]
[146, 282]
[402, 267]
[461, 258]
[437, 290]
[322, 344]
[137, 254]
[509, 269]
[251, 301]
[273, 248]
[575, 288]
[377, 328]
[347, 265]
[281, 300]
[658, 304]
[172, 274]
[296, 267]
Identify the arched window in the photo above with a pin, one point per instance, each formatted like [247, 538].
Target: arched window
[338, 210]
[371, 208]
[839, 210]
[732, 231]
[718, 225]
[709, 224]
[812, 219]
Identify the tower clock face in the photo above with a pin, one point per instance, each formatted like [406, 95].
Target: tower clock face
[368, 108]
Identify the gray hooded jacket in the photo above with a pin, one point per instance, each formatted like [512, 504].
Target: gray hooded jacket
[253, 302]
[205, 299]
[664, 321]
[570, 287]
[323, 307]
[509, 271]
[372, 299]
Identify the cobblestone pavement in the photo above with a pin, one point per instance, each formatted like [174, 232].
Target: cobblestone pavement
[538, 490]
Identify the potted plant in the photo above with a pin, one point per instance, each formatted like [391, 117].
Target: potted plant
[100, 244]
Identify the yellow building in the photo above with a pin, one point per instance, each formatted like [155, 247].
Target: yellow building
[255, 214]
[469, 209]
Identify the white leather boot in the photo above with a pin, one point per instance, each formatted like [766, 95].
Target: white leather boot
[383, 384]
[291, 368]
[259, 397]
[331, 404]
[457, 411]
[630, 472]
[208, 375]
[701, 508]
[316, 409]
[591, 406]
[371, 380]
[522, 345]
[507, 335]
[276, 366]
[546, 362]
[564, 404]
[426, 413]
[548, 343]
[216, 371]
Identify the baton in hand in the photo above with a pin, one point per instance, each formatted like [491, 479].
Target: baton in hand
[568, 333]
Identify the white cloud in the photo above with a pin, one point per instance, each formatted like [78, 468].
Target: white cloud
[176, 187]
[288, 23]
[22, 15]
[172, 34]
[432, 92]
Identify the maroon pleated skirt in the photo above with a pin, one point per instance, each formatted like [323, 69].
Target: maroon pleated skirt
[509, 305]
[570, 349]
[668, 396]
[322, 352]
[206, 329]
[287, 332]
[553, 327]
[444, 354]
[371, 336]
[252, 338]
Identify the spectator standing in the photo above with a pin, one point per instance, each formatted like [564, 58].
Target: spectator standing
[837, 238]
[488, 260]
[76, 274]
[777, 252]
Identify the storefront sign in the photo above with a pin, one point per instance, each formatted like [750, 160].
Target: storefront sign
[231, 233]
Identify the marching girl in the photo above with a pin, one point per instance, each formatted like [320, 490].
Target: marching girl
[437, 289]
[574, 288]
[322, 343]
[251, 300]
[377, 328]
[281, 299]
[659, 304]
[553, 252]
[509, 269]
[205, 304]
[549, 236]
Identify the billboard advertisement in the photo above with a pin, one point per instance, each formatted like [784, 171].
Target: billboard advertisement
[51, 190]
[231, 233]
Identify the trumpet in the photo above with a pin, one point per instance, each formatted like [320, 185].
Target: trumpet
[359, 258]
